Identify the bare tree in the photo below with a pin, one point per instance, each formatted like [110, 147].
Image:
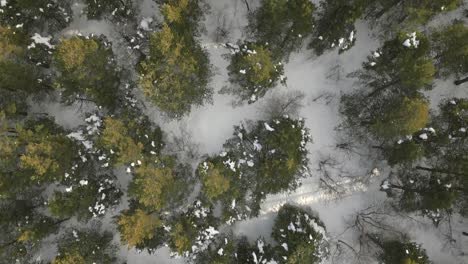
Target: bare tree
[283, 103]
[182, 144]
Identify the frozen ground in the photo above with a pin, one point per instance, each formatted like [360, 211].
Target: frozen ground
[322, 80]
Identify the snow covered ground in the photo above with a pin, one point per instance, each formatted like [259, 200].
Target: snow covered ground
[322, 80]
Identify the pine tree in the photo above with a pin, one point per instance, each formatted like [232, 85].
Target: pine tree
[175, 75]
[300, 236]
[451, 49]
[400, 252]
[433, 189]
[254, 69]
[85, 246]
[129, 137]
[20, 74]
[182, 16]
[86, 67]
[36, 15]
[192, 230]
[159, 184]
[282, 24]
[35, 153]
[403, 117]
[120, 11]
[87, 198]
[137, 226]
[395, 75]
[335, 27]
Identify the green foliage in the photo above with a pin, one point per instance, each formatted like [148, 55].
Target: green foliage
[283, 154]
[216, 179]
[116, 10]
[255, 71]
[129, 138]
[404, 152]
[36, 15]
[20, 76]
[282, 24]
[419, 12]
[401, 118]
[400, 252]
[175, 74]
[86, 246]
[115, 136]
[158, 184]
[138, 226]
[227, 249]
[87, 67]
[270, 158]
[89, 198]
[35, 153]
[182, 16]
[451, 47]
[335, 28]
[433, 177]
[398, 67]
[192, 229]
[395, 75]
[301, 233]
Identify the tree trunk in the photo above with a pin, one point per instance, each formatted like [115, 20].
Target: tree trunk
[383, 87]
[247, 5]
[460, 81]
[440, 171]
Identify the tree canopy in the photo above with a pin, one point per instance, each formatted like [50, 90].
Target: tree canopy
[87, 68]
[282, 25]
[254, 71]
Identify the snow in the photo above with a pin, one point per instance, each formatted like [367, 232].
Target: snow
[423, 136]
[3, 3]
[83, 182]
[411, 41]
[145, 23]
[268, 127]
[38, 39]
[285, 246]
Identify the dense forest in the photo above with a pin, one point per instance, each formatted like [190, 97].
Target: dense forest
[233, 131]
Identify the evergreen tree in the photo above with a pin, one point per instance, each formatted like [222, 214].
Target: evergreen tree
[20, 72]
[442, 185]
[300, 236]
[282, 24]
[88, 198]
[193, 230]
[159, 184]
[182, 16]
[136, 227]
[399, 118]
[34, 154]
[85, 246]
[395, 75]
[268, 158]
[255, 71]
[175, 75]
[86, 67]
[129, 138]
[400, 252]
[335, 27]
[228, 249]
[451, 48]
[36, 15]
[115, 10]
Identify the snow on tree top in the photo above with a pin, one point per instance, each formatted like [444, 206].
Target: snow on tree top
[411, 41]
